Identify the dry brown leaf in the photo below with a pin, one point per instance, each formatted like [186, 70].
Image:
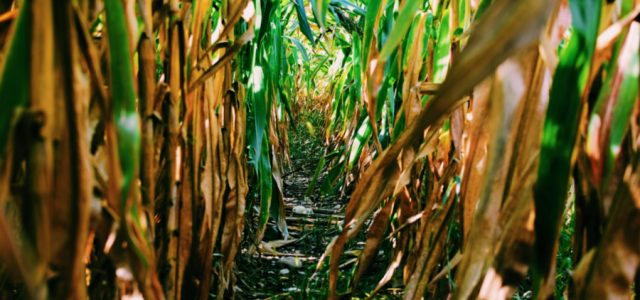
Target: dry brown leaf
[428, 88]
[607, 39]
[514, 24]
[374, 237]
[613, 267]
[475, 156]
[224, 60]
[506, 95]
[515, 238]
[73, 185]
[431, 249]
[147, 84]
[19, 256]
[271, 246]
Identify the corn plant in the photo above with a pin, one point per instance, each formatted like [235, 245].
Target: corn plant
[124, 169]
[471, 129]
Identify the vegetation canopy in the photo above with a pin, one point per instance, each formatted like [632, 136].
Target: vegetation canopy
[319, 149]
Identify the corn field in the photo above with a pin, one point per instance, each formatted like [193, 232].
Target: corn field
[488, 149]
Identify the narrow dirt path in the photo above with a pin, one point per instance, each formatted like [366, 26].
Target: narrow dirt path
[312, 222]
[285, 269]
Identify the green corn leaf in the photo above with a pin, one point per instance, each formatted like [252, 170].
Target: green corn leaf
[14, 76]
[312, 184]
[265, 15]
[257, 26]
[357, 67]
[407, 42]
[298, 45]
[317, 68]
[314, 10]
[124, 105]
[362, 137]
[559, 135]
[276, 49]
[303, 22]
[371, 18]
[334, 152]
[390, 77]
[335, 16]
[265, 185]
[482, 7]
[387, 23]
[342, 80]
[331, 178]
[259, 110]
[402, 25]
[322, 7]
[443, 51]
[123, 91]
[398, 127]
[285, 100]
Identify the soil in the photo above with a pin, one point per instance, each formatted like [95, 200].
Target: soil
[285, 274]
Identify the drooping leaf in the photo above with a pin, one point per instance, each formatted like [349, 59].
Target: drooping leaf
[303, 22]
[511, 20]
[298, 45]
[318, 66]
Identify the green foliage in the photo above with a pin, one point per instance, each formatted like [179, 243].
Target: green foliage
[14, 77]
[560, 133]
